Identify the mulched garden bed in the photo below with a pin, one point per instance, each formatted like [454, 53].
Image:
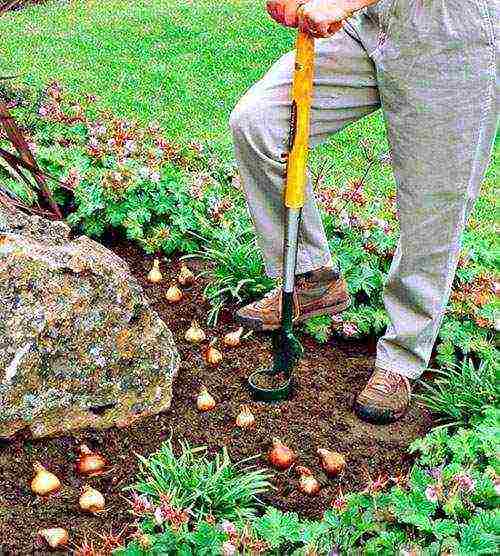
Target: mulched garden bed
[318, 415]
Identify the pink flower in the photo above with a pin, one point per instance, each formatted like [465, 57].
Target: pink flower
[431, 493]
[155, 176]
[154, 127]
[497, 487]
[383, 224]
[73, 179]
[140, 503]
[196, 146]
[236, 182]
[54, 90]
[97, 129]
[32, 147]
[344, 218]
[228, 549]
[349, 329]
[465, 482]
[340, 503]
[129, 145]
[158, 516]
[228, 527]
[43, 111]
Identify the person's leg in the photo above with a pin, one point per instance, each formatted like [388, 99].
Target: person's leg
[437, 72]
[345, 89]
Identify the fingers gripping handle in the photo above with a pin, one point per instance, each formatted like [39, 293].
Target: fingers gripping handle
[302, 87]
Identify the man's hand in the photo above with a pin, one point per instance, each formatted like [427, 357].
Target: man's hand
[285, 11]
[319, 18]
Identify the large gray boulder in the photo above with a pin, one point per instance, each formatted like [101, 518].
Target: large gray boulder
[79, 345]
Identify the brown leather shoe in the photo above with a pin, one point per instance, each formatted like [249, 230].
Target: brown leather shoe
[317, 292]
[384, 399]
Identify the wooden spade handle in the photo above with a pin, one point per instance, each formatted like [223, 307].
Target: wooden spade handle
[302, 88]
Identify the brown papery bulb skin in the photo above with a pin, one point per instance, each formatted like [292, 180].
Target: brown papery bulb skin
[245, 417]
[307, 483]
[155, 275]
[194, 334]
[54, 536]
[280, 456]
[232, 339]
[173, 294]
[332, 463]
[89, 463]
[212, 355]
[186, 277]
[91, 500]
[44, 482]
[205, 402]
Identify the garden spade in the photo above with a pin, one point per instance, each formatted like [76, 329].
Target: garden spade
[287, 348]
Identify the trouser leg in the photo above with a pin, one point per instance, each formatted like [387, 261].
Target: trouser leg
[345, 89]
[437, 73]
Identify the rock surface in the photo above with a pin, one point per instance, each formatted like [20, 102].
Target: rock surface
[79, 345]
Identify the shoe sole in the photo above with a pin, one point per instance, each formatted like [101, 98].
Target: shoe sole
[377, 418]
[262, 327]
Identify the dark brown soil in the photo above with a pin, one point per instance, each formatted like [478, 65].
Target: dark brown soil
[317, 415]
[265, 380]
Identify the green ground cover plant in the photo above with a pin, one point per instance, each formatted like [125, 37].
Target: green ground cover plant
[448, 504]
[217, 488]
[460, 393]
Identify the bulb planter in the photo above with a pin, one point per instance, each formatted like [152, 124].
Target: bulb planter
[286, 347]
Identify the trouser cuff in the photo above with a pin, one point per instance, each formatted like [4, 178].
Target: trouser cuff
[408, 372]
[314, 264]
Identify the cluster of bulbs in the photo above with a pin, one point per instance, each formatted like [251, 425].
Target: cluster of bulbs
[45, 483]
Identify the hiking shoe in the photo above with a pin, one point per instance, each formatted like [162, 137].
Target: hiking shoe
[317, 292]
[384, 399]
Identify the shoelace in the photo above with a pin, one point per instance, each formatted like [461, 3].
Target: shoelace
[384, 381]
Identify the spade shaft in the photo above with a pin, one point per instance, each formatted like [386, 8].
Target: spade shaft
[287, 349]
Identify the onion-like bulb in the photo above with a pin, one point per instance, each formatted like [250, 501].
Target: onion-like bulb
[155, 275]
[91, 500]
[44, 481]
[245, 417]
[54, 536]
[232, 339]
[89, 463]
[173, 294]
[333, 463]
[186, 277]
[212, 355]
[144, 541]
[194, 333]
[280, 456]
[204, 401]
[307, 483]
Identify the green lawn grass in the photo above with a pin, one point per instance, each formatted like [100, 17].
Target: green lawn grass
[184, 63]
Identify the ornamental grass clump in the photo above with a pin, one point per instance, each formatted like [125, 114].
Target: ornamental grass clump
[200, 486]
[460, 393]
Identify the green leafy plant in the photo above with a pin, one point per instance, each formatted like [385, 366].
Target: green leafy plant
[235, 270]
[461, 392]
[448, 503]
[199, 486]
